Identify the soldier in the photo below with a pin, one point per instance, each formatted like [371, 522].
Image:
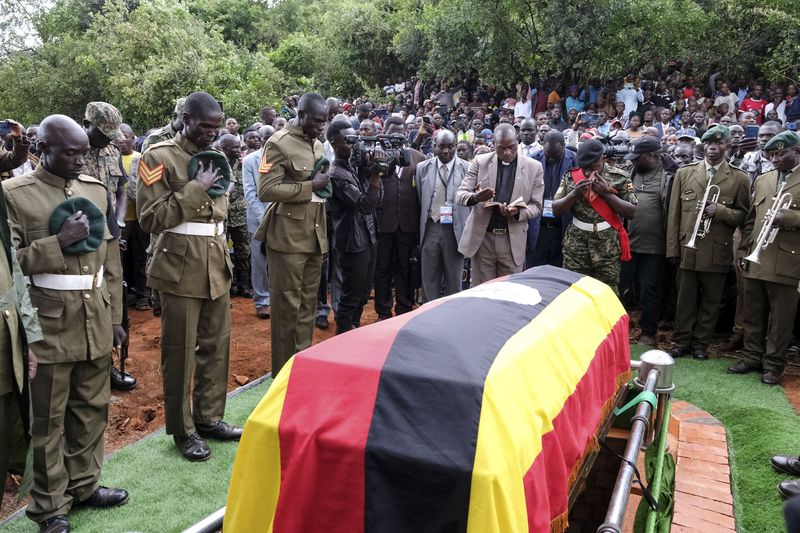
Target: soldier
[163, 134]
[598, 194]
[192, 271]
[64, 247]
[237, 219]
[770, 285]
[294, 227]
[702, 271]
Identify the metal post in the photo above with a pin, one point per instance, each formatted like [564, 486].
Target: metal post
[210, 524]
[622, 488]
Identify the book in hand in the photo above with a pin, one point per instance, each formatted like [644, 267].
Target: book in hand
[519, 202]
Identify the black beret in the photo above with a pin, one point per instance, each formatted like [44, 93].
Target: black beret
[97, 224]
[218, 160]
[322, 165]
[589, 152]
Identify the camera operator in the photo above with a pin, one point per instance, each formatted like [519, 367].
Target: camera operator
[424, 139]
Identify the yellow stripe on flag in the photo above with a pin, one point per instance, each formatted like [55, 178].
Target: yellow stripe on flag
[255, 481]
[547, 358]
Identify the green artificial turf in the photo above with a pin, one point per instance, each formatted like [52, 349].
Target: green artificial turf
[168, 493]
[760, 422]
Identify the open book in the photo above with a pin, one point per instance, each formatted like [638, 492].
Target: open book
[519, 202]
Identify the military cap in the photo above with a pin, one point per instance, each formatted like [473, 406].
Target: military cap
[686, 133]
[97, 224]
[322, 165]
[717, 133]
[782, 141]
[106, 117]
[217, 160]
[179, 103]
[589, 152]
[645, 145]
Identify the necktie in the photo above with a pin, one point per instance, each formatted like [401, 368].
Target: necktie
[711, 172]
[440, 193]
[782, 175]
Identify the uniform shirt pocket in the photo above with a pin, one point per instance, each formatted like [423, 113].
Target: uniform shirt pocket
[788, 263]
[300, 171]
[47, 306]
[722, 253]
[169, 259]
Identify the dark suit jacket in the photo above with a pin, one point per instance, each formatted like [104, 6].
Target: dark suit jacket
[399, 210]
[568, 161]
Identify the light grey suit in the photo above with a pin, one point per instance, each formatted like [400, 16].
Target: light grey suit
[441, 260]
[498, 255]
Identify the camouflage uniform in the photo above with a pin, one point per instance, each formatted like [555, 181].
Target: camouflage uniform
[105, 164]
[595, 254]
[237, 229]
[160, 135]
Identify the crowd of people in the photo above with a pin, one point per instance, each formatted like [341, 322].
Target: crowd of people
[669, 188]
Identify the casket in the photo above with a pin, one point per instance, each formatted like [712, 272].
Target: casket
[473, 413]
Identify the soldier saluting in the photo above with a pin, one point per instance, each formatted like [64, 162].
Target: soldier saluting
[59, 228]
[181, 196]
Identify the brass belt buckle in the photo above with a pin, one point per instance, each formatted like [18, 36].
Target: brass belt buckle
[594, 227]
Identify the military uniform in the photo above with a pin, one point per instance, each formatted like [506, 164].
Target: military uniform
[237, 229]
[702, 272]
[78, 299]
[770, 287]
[165, 133]
[295, 232]
[105, 165]
[192, 271]
[594, 253]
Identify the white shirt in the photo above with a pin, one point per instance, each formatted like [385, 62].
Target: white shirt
[781, 110]
[530, 149]
[522, 109]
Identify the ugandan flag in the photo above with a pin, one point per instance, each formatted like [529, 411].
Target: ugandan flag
[471, 414]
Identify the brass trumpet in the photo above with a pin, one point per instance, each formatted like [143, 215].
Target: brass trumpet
[701, 206]
[768, 233]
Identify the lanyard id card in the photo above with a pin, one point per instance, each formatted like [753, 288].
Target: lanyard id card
[446, 214]
[547, 212]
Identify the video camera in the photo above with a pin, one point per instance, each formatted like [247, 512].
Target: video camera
[392, 146]
[615, 149]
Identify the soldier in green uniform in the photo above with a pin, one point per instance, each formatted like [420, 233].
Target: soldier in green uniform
[702, 270]
[192, 271]
[160, 135]
[591, 244]
[237, 219]
[770, 285]
[294, 227]
[75, 282]
[104, 161]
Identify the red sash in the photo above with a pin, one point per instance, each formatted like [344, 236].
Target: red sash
[608, 214]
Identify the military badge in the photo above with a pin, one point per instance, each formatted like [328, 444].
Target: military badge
[148, 175]
[264, 166]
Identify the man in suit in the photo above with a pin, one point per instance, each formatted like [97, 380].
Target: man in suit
[398, 226]
[294, 227]
[702, 270]
[546, 233]
[441, 222]
[495, 236]
[770, 285]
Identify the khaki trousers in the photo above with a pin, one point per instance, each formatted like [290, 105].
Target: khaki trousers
[493, 259]
[195, 340]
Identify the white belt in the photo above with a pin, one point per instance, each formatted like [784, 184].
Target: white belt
[595, 227]
[67, 282]
[203, 229]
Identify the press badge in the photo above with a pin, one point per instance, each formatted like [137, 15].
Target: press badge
[547, 212]
[446, 214]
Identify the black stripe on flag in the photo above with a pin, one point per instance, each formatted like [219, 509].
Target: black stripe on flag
[422, 438]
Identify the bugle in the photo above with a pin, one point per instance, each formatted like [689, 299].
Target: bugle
[699, 233]
[768, 232]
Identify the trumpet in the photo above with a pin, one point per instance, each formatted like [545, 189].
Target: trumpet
[768, 232]
[699, 233]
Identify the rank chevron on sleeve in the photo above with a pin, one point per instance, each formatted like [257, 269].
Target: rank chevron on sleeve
[264, 165]
[149, 175]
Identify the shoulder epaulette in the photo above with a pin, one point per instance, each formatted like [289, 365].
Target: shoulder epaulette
[88, 179]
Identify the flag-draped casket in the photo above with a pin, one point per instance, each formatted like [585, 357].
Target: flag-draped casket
[473, 413]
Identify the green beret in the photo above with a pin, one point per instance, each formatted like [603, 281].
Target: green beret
[782, 141]
[322, 165]
[97, 224]
[218, 160]
[717, 133]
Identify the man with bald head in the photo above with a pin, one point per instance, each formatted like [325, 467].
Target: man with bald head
[192, 272]
[75, 281]
[504, 191]
[441, 221]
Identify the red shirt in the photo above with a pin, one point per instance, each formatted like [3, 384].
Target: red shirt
[749, 104]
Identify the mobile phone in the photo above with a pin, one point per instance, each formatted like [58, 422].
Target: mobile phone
[426, 120]
[591, 118]
[791, 126]
[383, 113]
[751, 132]
[5, 127]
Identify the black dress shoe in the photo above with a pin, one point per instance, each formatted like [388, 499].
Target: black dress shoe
[56, 524]
[744, 367]
[120, 381]
[699, 354]
[789, 489]
[789, 464]
[193, 447]
[678, 351]
[770, 378]
[106, 497]
[321, 322]
[219, 430]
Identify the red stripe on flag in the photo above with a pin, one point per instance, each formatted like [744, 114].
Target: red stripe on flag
[332, 387]
[546, 482]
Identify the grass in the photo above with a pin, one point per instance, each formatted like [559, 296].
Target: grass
[760, 422]
[168, 493]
